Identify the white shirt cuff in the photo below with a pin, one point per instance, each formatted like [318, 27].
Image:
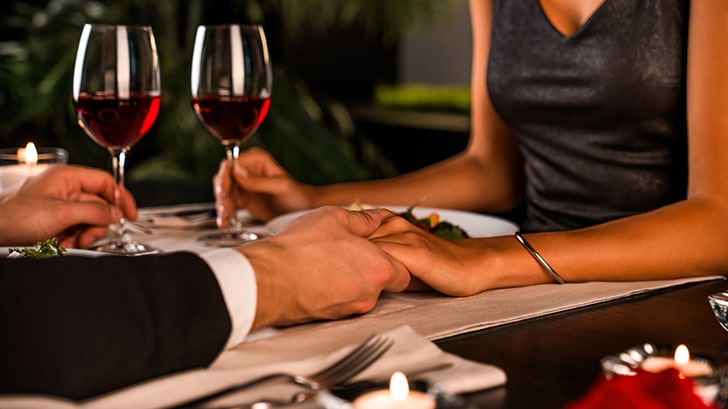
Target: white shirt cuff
[236, 278]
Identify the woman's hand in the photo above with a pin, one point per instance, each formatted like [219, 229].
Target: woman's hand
[73, 204]
[450, 267]
[256, 182]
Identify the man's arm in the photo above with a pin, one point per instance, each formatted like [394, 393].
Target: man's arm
[77, 327]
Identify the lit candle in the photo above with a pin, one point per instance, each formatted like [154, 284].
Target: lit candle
[29, 155]
[20, 164]
[687, 367]
[398, 396]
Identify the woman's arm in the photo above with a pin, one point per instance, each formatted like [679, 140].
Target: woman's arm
[485, 177]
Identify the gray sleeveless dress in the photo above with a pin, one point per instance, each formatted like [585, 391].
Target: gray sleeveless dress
[599, 114]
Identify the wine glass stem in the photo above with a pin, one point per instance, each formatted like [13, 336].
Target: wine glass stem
[232, 150]
[118, 158]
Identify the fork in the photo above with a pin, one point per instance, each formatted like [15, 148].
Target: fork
[339, 372]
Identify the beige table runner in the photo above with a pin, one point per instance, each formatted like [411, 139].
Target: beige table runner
[435, 316]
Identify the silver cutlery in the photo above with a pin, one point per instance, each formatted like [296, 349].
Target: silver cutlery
[192, 216]
[149, 220]
[339, 372]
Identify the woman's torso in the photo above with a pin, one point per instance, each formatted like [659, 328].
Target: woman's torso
[599, 114]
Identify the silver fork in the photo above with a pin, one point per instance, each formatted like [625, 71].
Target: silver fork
[339, 372]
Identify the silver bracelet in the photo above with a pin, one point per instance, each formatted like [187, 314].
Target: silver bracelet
[538, 258]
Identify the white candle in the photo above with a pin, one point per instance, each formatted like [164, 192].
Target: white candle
[12, 175]
[687, 367]
[398, 396]
[16, 165]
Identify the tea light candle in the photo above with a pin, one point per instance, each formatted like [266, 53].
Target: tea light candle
[398, 396]
[23, 163]
[687, 367]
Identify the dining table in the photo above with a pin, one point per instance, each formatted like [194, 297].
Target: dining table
[536, 346]
[553, 360]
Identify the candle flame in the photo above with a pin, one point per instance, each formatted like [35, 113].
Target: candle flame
[29, 154]
[682, 354]
[398, 386]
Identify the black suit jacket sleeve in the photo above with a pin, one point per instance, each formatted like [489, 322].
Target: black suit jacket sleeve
[77, 327]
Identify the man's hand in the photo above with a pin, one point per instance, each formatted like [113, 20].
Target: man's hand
[321, 266]
[74, 204]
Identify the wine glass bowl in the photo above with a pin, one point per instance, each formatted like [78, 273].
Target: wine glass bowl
[115, 123]
[116, 96]
[231, 80]
[231, 119]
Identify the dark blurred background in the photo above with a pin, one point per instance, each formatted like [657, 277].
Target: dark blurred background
[362, 88]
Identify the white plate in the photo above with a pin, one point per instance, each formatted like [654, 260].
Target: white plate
[476, 225]
[4, 251]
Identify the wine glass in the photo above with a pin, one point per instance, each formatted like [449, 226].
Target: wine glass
[231, 85]
[116, 96]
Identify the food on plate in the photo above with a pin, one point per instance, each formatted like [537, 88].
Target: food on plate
[42, 249]
[434, 225]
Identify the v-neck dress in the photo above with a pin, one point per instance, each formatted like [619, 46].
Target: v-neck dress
[599, 114]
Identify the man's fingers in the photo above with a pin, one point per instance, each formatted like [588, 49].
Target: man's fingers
[88, 213]
[360, 223]
[363, 223]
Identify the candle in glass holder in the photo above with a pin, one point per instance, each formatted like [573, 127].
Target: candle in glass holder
[398, 396]
[16, 165]
[682, 362]
[698, 370]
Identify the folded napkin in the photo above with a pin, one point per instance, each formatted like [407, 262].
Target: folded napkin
[411, 354]
[645, 390]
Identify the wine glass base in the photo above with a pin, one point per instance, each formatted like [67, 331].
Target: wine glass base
[230, 238]
[125, 248]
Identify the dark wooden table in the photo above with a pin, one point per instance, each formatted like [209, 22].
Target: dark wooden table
[553, 360]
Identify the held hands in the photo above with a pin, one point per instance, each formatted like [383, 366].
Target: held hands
[451, 267]
[321, 266]
[71, 203]
[257, 183]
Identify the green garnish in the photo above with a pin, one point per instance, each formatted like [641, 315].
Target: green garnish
[42, 249]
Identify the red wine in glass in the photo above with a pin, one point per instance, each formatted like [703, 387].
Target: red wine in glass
[231, 84]
[112, 122]
[116, 89]
[231, 118]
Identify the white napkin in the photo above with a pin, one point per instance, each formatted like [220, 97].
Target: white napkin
[411, 353]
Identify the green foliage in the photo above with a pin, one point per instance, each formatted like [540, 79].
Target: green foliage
[311, 137]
